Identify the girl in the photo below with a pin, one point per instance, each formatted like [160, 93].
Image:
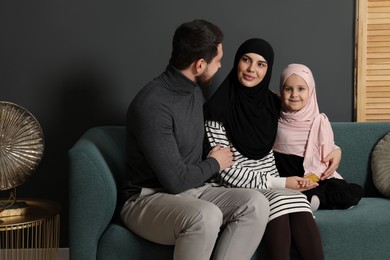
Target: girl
[304, 136]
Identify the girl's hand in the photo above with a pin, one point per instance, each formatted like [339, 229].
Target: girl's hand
[299, 183]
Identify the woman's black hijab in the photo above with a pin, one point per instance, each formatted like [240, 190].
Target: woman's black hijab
[250, 115]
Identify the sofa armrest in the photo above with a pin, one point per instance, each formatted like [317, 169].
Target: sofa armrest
[92, 199]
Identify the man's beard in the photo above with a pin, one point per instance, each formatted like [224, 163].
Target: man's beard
[204, 79]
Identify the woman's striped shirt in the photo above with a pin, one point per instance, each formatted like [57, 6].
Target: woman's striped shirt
[256, 174]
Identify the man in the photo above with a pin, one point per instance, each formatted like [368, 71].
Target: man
[167, 198]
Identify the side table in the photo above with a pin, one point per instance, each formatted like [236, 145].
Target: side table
[34, 235]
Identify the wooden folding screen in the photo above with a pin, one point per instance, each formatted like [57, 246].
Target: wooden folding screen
[372, 64]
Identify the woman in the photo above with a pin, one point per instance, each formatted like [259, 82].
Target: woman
[243, 114]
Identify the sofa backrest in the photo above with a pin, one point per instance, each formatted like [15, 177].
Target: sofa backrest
[357, 141]
[111, 143]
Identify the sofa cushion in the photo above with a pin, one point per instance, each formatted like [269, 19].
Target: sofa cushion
[380, 165]
[358, 233]
[119, 243]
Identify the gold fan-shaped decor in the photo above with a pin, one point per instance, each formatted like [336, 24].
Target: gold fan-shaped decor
[21, 147]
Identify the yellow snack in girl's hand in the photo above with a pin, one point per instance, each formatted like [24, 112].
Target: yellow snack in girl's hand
[313, 177]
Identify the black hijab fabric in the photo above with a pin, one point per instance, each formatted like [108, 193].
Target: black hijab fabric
[250, 115]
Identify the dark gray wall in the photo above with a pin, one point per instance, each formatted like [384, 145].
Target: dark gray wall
[78, 63]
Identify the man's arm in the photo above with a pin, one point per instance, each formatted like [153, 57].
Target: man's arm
[156, 139]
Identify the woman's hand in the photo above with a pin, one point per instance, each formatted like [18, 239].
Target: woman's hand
[333, 159]
[299, 183]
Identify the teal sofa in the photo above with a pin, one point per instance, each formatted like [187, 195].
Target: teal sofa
[97, 167]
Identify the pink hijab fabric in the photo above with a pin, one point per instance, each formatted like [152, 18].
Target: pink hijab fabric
[307, 132]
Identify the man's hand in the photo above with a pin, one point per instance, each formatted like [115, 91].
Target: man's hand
[333, 159]
[223, 155]
[299, 183]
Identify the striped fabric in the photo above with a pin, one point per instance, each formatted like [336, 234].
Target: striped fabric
[256, 174]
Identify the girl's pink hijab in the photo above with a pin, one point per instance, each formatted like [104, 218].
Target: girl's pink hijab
[307, 132]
